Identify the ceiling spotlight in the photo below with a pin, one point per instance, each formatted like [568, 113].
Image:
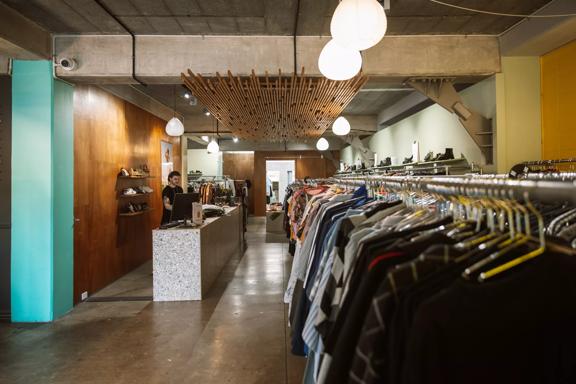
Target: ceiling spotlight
[341, 126]
[213, 147]
[174, 127]
[322, 144]
[206, 138]
[235, 139]
[339, 63]
[206, 112]
[358, 24]
[187, 95]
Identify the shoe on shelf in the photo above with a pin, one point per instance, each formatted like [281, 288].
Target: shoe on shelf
[429, 156]
[387, 161]
[408, 160]
[146, 189]
[145, 169]
[129, 191]
[123, 172]
[131, 208]
[447, 155]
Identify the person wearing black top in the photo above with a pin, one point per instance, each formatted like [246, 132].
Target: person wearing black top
[168, 194]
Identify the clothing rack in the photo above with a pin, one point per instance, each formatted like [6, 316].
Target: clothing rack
[550, 190]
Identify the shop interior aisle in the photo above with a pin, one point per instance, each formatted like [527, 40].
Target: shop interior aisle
[237, 335]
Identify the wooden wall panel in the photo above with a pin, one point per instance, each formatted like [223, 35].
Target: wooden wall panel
[110, 133]
[240, 166]
[308, 163]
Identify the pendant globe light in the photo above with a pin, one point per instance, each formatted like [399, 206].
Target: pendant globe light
[174, 127]
[322, 144]
[358, 24]
[341, 126]
[339, 63]
[213, 147]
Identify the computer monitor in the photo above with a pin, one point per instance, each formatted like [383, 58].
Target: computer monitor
[182, 207]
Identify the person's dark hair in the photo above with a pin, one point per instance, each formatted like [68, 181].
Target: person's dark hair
[172, 174]
[248, 183]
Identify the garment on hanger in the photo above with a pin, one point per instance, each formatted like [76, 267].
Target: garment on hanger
[378, 291]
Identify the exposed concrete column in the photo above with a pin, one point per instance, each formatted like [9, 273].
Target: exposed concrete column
[161, 59]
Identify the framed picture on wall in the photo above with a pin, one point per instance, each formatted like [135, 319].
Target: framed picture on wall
[167, 162]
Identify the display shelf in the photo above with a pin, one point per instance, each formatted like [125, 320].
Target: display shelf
[135, 177]
[138, 213]
[134, 195]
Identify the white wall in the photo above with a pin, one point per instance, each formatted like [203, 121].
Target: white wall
[207, 163]
[434, 128]
[282, 166]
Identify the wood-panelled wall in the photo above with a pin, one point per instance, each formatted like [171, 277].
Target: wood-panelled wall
[308, 163]
[558, 98]
[110, 133]
[240, 166]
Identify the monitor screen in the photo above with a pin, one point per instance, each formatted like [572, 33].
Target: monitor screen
[182, 207]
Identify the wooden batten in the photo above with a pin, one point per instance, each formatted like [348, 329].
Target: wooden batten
[274, 108]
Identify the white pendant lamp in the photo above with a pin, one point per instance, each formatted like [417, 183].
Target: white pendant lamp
[322, 144]
[341, 126]
[174, 127]
[213, 147]
[358, 24]
[339, 63]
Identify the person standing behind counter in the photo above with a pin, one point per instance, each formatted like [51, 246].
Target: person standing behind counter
[168, 194]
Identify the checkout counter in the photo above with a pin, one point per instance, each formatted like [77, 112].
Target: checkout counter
[188, 260]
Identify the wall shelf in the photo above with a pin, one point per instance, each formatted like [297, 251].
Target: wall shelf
[134, 195]
[135, 177]
[138, 213]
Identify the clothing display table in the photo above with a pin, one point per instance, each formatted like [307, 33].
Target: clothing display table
[188, 260]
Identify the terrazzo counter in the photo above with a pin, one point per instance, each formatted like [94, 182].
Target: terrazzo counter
[187, 261]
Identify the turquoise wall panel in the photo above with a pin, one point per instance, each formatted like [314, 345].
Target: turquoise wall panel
[63, 197]
[32, 93]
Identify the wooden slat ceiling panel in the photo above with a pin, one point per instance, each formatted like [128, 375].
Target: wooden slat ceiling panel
[274, 108]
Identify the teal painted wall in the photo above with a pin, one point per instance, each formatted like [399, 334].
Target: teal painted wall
[63, 197]
[41, 238]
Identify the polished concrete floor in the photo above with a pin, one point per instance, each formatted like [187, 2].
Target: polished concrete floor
[237, 335]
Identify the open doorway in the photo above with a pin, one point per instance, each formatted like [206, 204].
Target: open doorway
[279, 175]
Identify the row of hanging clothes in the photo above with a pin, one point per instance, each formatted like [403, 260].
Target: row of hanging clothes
[213, 188]
[434, 280]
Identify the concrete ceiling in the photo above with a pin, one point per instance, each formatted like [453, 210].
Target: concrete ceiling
[260, 17]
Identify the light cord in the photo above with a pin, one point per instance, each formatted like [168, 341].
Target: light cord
[501, 14]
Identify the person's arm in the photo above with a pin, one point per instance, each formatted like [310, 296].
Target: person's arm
[167, 204]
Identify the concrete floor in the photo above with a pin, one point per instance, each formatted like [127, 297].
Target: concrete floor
[237, 335]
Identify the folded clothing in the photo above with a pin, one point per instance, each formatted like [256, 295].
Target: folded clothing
[210, 210]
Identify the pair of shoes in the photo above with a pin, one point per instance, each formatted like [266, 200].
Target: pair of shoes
[136, 172]
[386, 162]
[123, 172]
[447, 155]
[145, 189]
[133, 207]
[408, 160]
[129, 191]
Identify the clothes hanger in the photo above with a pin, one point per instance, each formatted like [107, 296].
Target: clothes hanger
[524, 258]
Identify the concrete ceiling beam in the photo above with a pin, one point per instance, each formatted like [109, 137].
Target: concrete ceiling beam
[538, 36]
[21, 38]
[161, 59]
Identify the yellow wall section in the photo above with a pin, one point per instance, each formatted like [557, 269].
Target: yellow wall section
[518, 132]
[559, 102]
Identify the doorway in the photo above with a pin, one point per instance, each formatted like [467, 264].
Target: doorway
[279, 175]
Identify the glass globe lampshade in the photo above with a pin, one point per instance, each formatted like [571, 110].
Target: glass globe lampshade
[358, 24]
[174, 127]
[339, 63]
[322, 144]
[341, 126]
[213, 147]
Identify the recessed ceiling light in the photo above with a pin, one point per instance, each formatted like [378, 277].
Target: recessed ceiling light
[235, 139]
[187, 95]
[206, 111]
